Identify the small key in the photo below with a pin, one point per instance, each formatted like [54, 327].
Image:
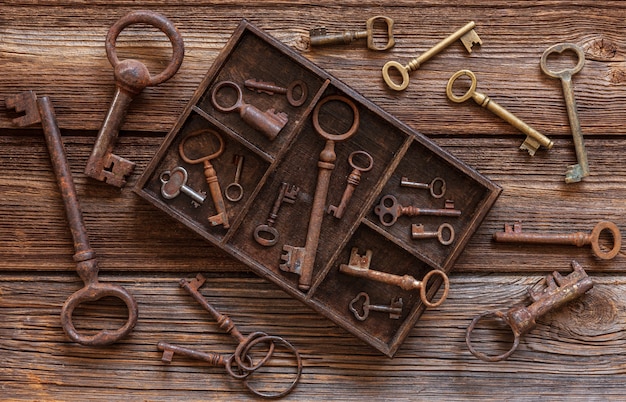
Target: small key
[300, 260]
[297, 86]
[269, 122]
[359, 266]
[319, 36]
[267, 235]
[234, 191]
[466, 34]
[437, 183]
[131, 77]
[361, 314]
[557, 291]
[174, 182]
[575, 173]
[353, 180]
[418, 232]
[579, 239]
[389, 210]
[534, 139]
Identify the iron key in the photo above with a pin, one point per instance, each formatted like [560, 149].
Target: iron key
[267, 235]
[418, 232]
[389, 210]
[394, 309]
[353, 180]
[575, 173]
[270, 88]
[319, 36]
[174, 182]
[131, 77]
[437, 182]
[234, 191]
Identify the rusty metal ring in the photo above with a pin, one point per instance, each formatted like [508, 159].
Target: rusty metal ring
[266, 229]
[235, 188]
[482, 356]
[470, 91]
[238, 103]
[158, 21]
[361, 169]
[595, 240]
[423, 288]
[241, 353]
[432, 187]
[336, 137]
[304, 92]
[181, 146]
[440, 234]
[560, 48]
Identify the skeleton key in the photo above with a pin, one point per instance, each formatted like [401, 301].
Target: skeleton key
[270, 88]
[437, 182]
[559, 290]
[267, 235]
[575, 173]
[418, 232]
[389, 209]
[353, 180]
[319, 36]
[131, 77]
[466, 34]
[41, 110]
[269, 122]
[234, 191]
[359, 266]
[300, 260]
[221, 218]
[174, 182]
[579, 239]
[394, 309]
[534, 139]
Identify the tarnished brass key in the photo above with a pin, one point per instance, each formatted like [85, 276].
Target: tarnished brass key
[297, 86]
[353, 180]
[534, 139]
[320, 37]
[389, 210]
[300, 260]
[575, 173]
[466, 34]
[362, 300]
[131, 77]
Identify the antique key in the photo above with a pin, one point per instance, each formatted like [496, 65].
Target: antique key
[575, 173]
[437, 183]
[234, 191]
[353, 180]
[558, 291]
[534, 139]
[418, 232]
[394, 309]
[269, 122]
[300, 260]
[466, 34]
[41, 110]
[319, 36]
[131, 77]
[389, 209]
[359, 266]
[267, 235]
[579, 239]
[174, 182]
[221, 218]
[270, 88]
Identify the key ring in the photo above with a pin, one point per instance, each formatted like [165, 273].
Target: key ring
[197, 133]
[595, 240]
[470, 91]
[336, 137]
[483, 356]
[560, 48]
[226, 109]
[132, 73]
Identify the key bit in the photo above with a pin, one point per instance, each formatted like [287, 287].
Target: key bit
[24, 102]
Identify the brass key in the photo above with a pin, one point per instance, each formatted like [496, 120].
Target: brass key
[361, 314]
[131, 77]
[270, 88]
[300, 260]
[319, 36]
[353, 180]
[575, 173]
[466, 34]
[389, 210]
[534, 139]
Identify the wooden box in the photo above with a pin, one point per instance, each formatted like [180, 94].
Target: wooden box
[292, 157]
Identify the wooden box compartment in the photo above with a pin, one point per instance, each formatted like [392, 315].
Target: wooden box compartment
[292, 157]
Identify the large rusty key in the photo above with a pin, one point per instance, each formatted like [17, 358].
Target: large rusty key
[300, 260]
[131, 77]
[41, 110]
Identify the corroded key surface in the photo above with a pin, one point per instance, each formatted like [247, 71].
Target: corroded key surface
[361, 307]
[234, 191]
[319, 36]
[297, 92]
[418, 232]
[466, 34]
[389, 210]
[534, 139]
[354, 178]
[557, 290]
[131, 77]
[437, 186]
[267, 235]
[575, 173]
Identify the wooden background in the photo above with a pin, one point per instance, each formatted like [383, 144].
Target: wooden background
[57, 49]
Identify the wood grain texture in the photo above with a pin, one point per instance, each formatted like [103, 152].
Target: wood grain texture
[57, 49]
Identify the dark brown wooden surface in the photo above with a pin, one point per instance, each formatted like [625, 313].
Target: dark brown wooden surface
[57, 49]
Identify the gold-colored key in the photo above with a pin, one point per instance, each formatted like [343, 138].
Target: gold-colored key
[466, 34]
[534, 139]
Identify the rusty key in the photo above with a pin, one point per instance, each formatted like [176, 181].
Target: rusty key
[131, 77]
[418, 232]
[558, 290]
[41, 110]
[514, 235]
[300, 260]
[267, 235]
[394, 309]
[389, 209]
[297, 86]
[353, 180]
[436, 183]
